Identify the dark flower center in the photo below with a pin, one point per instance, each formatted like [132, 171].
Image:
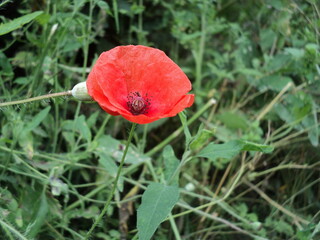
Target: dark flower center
[137, 104]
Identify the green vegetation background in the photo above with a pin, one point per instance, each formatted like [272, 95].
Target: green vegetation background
[258, 59]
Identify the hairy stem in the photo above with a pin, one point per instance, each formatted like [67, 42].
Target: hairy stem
[106, 206]
[51, 95]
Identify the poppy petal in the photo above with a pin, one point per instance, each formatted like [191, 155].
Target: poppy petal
[140, 119]
[96, 92]
[185, 102]
[143, 76]
[145, 70]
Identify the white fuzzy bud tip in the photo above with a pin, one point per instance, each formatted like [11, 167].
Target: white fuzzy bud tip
[80, 92]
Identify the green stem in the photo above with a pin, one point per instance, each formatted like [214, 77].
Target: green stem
[12, 229]
[277, 168]
[199, 55]
[51, 95]
[177, 132]
[116, 15]
[185, 158]
[4, 3]
[89, 195]
[174, 227]
[105, 208]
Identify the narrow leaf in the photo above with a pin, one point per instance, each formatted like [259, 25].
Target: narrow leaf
[18, 22]
[37, 119]
[251, 146]
[39, 219]
[157, 202]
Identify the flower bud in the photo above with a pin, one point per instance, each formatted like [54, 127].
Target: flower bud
[80, 92]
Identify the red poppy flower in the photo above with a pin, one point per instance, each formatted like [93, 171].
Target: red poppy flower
[140, 83]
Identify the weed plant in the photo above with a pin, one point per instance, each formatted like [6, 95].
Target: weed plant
[258, 60]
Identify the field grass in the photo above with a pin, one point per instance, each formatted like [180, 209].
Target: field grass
[244, 159]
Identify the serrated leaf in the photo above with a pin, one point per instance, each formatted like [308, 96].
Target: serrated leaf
[157, 202]
[18, 22]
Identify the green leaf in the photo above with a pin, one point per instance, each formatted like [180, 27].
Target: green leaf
[274, 82]
[69, 137]
[225, 150]
[267, 37]
[105, 6]
[311, 122]
[231, 149]
[201, 138]
[251, 146]
[234, 120]
[115, 149]
[171, 163]
[276, 4]
[295, 108]
[82, 127]
[5, 65]
[35, 122]
[26, 142]
[250, 72]
[91, 121]
[40, 217]
[157, 202]
[43, 18]
[278, 62]
[296, 53]
[108, 163]
[186, 131]
[18, 22]
[57, 186]
[279, 226]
